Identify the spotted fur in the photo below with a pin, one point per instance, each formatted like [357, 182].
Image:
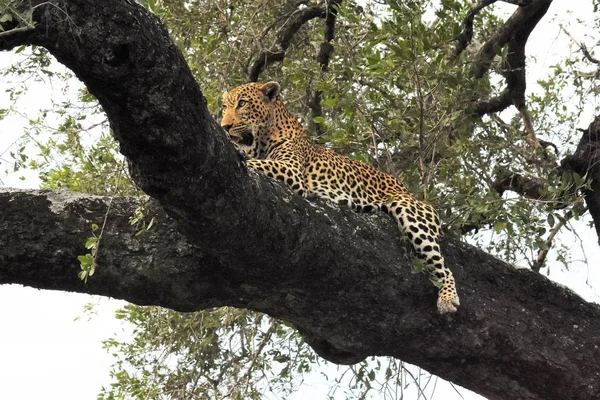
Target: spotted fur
[259, 124]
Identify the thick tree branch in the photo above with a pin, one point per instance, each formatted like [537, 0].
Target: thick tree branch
[349, 305]
[136, 268]
[466, 35]
[256, 245]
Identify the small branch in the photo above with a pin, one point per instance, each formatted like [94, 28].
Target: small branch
[16, 30]
[531, 137]
[384, 93]
[323, 57]
[261, 346]
[421, 133]
[582, 47]
[277, 52]
[545, 144]
[578, 209]
[514, 34]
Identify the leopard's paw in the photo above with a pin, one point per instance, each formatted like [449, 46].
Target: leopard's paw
[447, 303]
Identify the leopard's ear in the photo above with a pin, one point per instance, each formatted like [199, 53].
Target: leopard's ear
[270, 90]
[225, 94]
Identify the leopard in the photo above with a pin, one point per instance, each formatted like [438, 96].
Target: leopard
[273, 141]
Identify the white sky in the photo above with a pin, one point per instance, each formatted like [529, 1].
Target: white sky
[45, 353]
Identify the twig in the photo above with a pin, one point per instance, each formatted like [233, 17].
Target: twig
[258, 351]
[582, 47]
[578, 209]
[531, 137]
[17, 30]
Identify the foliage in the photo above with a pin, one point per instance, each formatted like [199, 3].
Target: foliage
[223, 353]
[393, 95]
[88, 260]
[10, 15]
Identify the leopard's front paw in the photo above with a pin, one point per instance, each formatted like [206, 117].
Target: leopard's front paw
[446, 302]
[243, 156]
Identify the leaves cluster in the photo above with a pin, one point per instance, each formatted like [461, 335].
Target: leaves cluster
[224, 353]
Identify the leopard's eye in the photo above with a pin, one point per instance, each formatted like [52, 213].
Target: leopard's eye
[241, 103]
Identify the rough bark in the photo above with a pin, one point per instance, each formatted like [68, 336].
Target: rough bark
[517, 335]
[235, 238]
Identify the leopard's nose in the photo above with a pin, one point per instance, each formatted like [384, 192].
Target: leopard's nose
[227, 127]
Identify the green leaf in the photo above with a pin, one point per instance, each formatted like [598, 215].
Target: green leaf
[6, 17]
[84, 260]
[500, 226]
[550, 220]
[329, 103]
[498, 50]
[91, 242]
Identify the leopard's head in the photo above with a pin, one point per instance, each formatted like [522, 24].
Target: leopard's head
[248, 115]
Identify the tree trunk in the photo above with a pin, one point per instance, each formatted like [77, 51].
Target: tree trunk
[227, 236]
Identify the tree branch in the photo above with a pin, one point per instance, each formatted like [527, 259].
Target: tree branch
[466, 35]
[519, 25]
[586, 162]
[323, 57]
[497, 104]
[525, 186]
[514, 33]
[348, 305]
[578, 209]
[292, 24]
[582, 47]
[258, 246]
